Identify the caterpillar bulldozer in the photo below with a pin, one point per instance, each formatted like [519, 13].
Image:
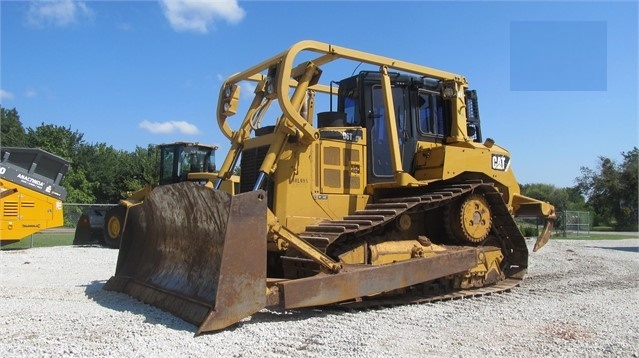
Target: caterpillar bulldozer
[391, 195]
[179, 161]
[31, 195]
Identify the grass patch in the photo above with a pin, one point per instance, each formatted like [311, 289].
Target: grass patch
[602, 228]
[42, 240]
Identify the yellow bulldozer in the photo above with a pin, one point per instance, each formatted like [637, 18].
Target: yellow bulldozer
[179, 161]
[390, 195]
[31, 195]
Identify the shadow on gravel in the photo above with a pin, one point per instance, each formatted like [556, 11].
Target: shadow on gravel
[276, 315]
[294, 315]
[14, 249]
[121, 302]
[91, 245]
[624, 248]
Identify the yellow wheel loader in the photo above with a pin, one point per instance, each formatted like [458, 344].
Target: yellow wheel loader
[390, 195]
[30, 192]
[179, 161]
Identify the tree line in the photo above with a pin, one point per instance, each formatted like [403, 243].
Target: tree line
[99, 173]
[102, 174]
[609, 192]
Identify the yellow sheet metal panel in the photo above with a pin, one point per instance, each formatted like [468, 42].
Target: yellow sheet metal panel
[25, 212]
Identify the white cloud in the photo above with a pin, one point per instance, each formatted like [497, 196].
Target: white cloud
[198, 15]
[30, 93]
[169, 127]
[247, 89]
[57, 12]
[5, 94]
[123, 26]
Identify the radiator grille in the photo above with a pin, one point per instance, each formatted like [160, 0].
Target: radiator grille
[10, 208]
[331, 156]
[332, 178]
[250, 163]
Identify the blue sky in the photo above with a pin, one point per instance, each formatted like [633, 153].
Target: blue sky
[557, 81]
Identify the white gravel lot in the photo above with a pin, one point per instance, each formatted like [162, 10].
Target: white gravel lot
[580, 299]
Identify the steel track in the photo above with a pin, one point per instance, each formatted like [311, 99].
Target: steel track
[361, 225]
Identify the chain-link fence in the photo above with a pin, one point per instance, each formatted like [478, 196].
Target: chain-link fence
[72, 212]
[530, 226]
[576, 223]
[568, 223]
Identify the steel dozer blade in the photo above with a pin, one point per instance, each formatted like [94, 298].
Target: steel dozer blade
[196, 252]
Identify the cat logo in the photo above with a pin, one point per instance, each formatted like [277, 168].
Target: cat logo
[500, 162]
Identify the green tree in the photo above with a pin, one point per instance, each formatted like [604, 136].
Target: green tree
[576, 201]
[141, 167]
[627, 216]
[104, 168]
[547, 192]
[611, 190]
[12, 133]
[562, 199]
[58, 140]
[79, 189]
[145, 163]
[115, 172]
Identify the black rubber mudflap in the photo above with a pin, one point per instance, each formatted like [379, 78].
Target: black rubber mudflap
[196, 252]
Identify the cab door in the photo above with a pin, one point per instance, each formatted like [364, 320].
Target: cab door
[380, 165]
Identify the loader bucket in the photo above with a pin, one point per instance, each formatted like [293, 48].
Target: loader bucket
[82, 234]
[88, 229]
[196, 252]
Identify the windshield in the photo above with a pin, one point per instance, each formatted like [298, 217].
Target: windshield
[177, 161]
[195, 160]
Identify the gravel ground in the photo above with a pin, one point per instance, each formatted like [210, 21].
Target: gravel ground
[580, 299]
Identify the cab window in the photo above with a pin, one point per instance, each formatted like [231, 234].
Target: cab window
[350, 107]
[380, 147]
[430, 113]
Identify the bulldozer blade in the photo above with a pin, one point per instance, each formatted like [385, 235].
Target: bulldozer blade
[356, 281]
[197, 253]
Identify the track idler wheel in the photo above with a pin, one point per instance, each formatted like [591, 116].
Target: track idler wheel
[113, 226]
[470, 219]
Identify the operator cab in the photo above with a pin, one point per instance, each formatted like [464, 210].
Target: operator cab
[421, 112]
[179, 159]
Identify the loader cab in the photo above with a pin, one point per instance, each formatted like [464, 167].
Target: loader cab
[179, 159]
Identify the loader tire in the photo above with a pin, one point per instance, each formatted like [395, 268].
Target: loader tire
[113, 225]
